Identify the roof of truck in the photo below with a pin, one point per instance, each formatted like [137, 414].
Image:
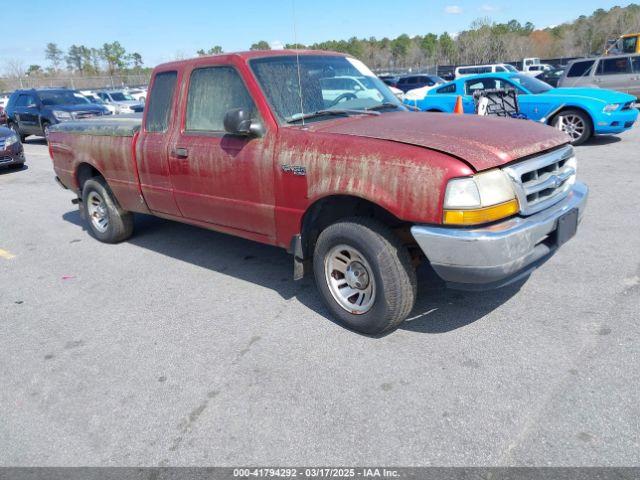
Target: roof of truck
[251, 54]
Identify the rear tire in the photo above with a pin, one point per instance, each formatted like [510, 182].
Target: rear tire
[105, 219]
[364, 275]
[576, 124]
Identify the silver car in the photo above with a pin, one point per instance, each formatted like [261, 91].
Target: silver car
[613, 72]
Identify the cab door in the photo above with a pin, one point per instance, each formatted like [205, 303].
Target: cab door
[221, 179]
[152, 148]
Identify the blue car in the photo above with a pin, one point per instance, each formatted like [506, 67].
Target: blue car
[580, 112]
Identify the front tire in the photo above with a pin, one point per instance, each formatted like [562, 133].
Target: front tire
[574, 123]
[364, 275]
[16, 129]
[107, 222]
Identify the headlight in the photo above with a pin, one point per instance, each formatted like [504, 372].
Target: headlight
[10, 140]
[612, 107]
[482, 198]
[62, 116]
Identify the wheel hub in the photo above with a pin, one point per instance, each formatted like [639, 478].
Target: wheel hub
[350, 279]
[357, 276]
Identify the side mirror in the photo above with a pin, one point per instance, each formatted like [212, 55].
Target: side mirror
[239, 122]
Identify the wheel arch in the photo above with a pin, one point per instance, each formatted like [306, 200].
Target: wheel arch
[566, 107]
[332, 208]
[85, 171]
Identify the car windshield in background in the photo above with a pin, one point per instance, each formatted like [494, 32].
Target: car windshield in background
[326, 83]
[120, 96]
[62, 98]
[531, 83]
[511, 68]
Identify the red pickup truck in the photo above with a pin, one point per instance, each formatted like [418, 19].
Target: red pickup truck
[311, 152]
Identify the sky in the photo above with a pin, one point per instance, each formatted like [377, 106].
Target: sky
[161, 30]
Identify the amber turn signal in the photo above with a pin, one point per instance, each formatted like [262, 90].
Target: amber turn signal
[478, 216]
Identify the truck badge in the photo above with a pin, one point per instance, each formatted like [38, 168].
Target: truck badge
[295, 169]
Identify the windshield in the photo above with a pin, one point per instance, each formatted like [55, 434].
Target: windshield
[326, 83]
[531, 83]
[120, 96]
[511, 68]
[62, 97]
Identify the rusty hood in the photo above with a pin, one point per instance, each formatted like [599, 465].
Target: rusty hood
[483, 142]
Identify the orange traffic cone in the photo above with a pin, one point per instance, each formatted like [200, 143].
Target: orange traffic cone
[458, 108]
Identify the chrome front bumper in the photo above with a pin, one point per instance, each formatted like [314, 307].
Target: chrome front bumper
[498, 254]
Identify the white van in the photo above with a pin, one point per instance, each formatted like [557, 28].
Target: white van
[477, 69]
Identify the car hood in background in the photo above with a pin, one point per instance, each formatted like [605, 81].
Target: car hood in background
[87, 107]
[483, 142]
[127, 103]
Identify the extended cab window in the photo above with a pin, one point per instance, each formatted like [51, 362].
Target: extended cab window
[213, 91]
[629, 44]
[160, 102]
[580, 69]
[635, 64]
[613, 66]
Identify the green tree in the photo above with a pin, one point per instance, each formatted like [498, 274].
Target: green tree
[215, 50]
[74, 58]
[115, 56]
[261, 45]
[54, 55]
[136, 59]
[429, 45]
[447, 48]
[34, 70]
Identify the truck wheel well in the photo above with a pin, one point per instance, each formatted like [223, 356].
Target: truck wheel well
[329, 210]
[85, 172]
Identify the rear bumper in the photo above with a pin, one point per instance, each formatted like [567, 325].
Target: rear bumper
[499, 254]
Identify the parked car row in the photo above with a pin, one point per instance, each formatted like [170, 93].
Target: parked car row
[33, 111]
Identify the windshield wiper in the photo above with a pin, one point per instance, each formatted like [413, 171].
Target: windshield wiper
[382, 106]
[323, 113]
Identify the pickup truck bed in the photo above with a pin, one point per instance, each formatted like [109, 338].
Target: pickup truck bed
[121, 126]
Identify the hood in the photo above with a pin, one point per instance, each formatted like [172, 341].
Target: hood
[84, 107]
[483, 142]
[127, 103]
[604, 95]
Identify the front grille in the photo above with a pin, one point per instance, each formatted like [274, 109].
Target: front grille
[544, 180]
[81, 115]
[5, 160]
[2, 142]
[628, 106]
[628, 124]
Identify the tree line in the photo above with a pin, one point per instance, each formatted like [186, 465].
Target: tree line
[486, 41]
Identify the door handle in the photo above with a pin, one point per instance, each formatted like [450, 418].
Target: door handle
[180, 152]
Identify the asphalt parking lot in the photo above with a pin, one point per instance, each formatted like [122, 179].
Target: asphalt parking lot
[188, 347]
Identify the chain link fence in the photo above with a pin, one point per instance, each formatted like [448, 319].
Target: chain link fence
[76, 82]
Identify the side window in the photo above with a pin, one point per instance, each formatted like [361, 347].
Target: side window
[447, 89]
[614, 66]
[21, 101]
[478, 85]
[635, 64]
[500, 69]
[213, 91]
[580, 69]
[160, 102]
[629, 44]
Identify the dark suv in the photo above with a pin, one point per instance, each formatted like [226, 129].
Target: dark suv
[411, 82]
[31, 112]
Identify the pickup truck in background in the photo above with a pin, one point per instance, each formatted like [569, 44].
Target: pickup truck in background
[357, 188]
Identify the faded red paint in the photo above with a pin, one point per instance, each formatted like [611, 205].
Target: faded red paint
[400, 161]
